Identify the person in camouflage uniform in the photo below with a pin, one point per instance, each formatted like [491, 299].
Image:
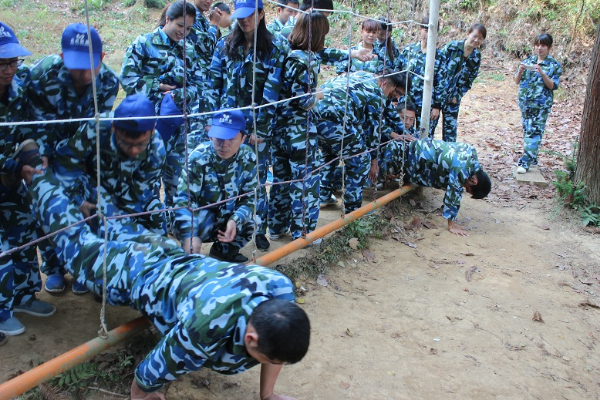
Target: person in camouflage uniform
[369, 35]
[451, 166]
[232, 78]
[209, 207]
[413, 59]
[295, 206]
[536, 96]
[385, 47]
[19, 271]
[361, 112]
[204, 32]
[132, 155]
[213, 314]
[461, 61]
[286, 9]
[61, 89]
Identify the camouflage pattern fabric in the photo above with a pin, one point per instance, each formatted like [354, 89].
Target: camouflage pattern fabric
[535, 102]
[295, 206]
[204, 37]
[212, 180]
[380, 49]
[128, 185]
[276, 27]
[201, 306]
[442, 165]
[53, 98]
[374, 66]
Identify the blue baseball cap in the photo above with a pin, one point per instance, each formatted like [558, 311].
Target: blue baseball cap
[9, 44]
[75, 46]
[227, 124]
[245, 8]
[168, 126]
[136, 105]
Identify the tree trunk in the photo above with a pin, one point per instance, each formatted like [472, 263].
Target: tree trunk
[588, 156]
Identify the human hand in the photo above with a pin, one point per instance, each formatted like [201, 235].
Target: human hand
[362, 54]
[373, 172]
[192, 245]
[453, 101]
[406, 138]
[163, 87]
[319, 94]
[457, 230]
[521, 68]
[87, 208]
[215, 16]
[538, 69]
[139, 394]
[254, 140]
[435, 113]
[44, 162]
[28, 172]
[229, 234]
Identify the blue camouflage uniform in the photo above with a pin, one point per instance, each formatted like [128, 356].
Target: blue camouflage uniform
[459, 74]
[535, 102]
[276, 27]
[374, 66]
[128, 186]
[392, 154]
[19, 271]
[363, 113]
[204, 36]
[380, 49]
[442, 165]
[231, 80]
[295, 206]
[213, 180]
[201, 306]
[413, 60]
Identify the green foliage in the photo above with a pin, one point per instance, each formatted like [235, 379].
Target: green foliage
[76, 376]
[590, 215]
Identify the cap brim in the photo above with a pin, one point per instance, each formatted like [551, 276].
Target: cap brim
[12, 50]
[243, 12]
[220, 132]
[79, 59]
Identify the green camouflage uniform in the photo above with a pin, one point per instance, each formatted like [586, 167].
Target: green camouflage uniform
[275, 27]
[212, 180]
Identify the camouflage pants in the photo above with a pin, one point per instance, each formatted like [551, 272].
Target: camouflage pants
[356, 165]
[534, 123]
[432, 123]
[295, 205]
[262, 204]
[450, 122]
[19, 271]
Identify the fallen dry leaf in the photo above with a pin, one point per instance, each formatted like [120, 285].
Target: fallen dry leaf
[353, 243]
[537, 317]
[344, 385]
[321, 280]
[588, 303]
[369, 255]
[349, 332]
[543, 227]
[433, 352]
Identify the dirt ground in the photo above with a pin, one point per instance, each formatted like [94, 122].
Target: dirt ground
[447, 317]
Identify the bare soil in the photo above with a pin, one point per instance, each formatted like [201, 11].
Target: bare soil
[511, 311]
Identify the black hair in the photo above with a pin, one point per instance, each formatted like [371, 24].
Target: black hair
[483, 187]
[479, 28]
[283, 330]
[384, 25]
[318, 5]
[406, 105]
[128, 133]
[175, 10]
[221, 6]
[286, 2]
[264, 40]
[543, 39]
[401, 79]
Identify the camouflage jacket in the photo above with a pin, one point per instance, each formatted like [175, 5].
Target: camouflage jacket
[364, 107]
[459, 73]
[380, 50]
[231, 80]
[153, 59]
[134, 184]
[374, 66]
[533, 93]
[413, 60]
[212, 180]
[53, 98]
[276, 26]
[204, 37]
[207, 305]
[16, 109]
[442, 165]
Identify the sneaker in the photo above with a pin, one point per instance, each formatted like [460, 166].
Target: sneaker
[3, 338]
[55, 283]
[316, 243]
[79, 288]
[11, 327]
[521, 170]
[277, 236]
[36, 308]
[332, 200]
[216, 251]
[261, 242]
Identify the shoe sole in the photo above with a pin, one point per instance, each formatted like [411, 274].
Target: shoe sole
[35, 314]
[54, 290]
[13, 333]
[80, 292]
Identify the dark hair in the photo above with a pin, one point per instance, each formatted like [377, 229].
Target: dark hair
[406, 105]
[370, 25]
[483, 187]
[384, 25]
[221, 6]
[318, 24]
[318, 4]
[283, 330]
[543, 39]
[401, 79]
[286, 2]
[175, 10]
[129, 134]
[264, 40]
[479, 28]
[425, 21]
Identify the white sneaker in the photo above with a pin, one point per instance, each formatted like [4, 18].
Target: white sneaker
[316, 243]
[521, 170]
[277, 236]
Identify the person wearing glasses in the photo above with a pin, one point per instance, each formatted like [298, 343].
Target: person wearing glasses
[61, 89]
[19, 272]
[132, 155]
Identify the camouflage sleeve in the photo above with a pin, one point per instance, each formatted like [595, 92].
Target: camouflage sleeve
[110, 89]
[453, 196]
[469, 78]
[555, 73]
[213, 94]
[438, 80]
[296, 76]
[133, 78]
[333, 57]
[245, 206]
[373, 120]
[391, 122]
[39, 92]
[188, 196]
[266, 115]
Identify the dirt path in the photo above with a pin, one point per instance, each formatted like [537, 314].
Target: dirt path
[449, 318]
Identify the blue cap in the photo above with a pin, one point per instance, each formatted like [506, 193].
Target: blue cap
[9, 44]
[227, 124]
[75, 47]
[245, 8]
[136, 105]
[168, 126]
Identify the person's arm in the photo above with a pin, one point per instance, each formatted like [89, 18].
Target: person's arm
[456, 229]
[452, 200]
[472, 67]
[133, 77]
[519, 74]
[552, 80]
[186, 200]
[271, 90]
[296, 74]
[268, 377]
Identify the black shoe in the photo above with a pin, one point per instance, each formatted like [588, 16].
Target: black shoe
[216, 251]
[261, 242]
